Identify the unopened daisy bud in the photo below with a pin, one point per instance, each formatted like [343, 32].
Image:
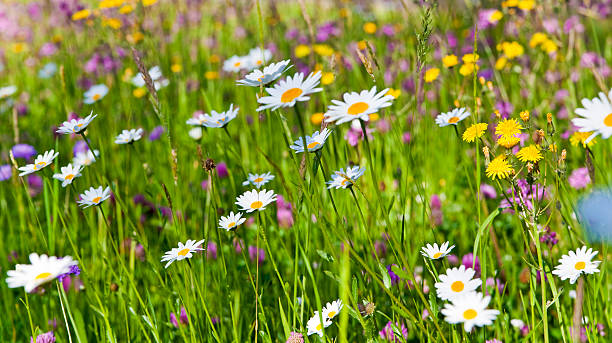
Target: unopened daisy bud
[524, 115]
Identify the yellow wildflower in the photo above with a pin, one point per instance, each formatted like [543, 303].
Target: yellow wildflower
[508, 127]
[580, 138]
[211, 75]
[431, 74]
[369, 28]
[501, 63]
[327, 78]
[450, 61]
[82, 14]
[395, 93]
[302, 51]
[475, 131]
[317, 118]
[323, 49]
[529, 153]
[499, 168]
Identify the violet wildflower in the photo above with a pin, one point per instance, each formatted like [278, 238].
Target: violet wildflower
[395, 279]
[284, 213]
[47, 337]
[469, 261]
[25, 151]
[488, 191]
[256, 255]
[390, 331]
[211, 251]
[156, 133]
[6, 171]
[295, 337]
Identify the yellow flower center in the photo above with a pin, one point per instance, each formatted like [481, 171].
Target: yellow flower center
[260, 78]
[259, 179]
[69, 177]
[319, 327]
[436, 255]
[237, 64]
[580, 265]
[96, 199]
[290, 95]
[232, 224]
[469, 314]
[256, 205]
[608, 120]
[42, 276]
[183, 252]
[358, 108]
[344, 182]
[457, 286]
[313, 145]
[453, 120]
[40, 165]
[96, 97]
[331, 314]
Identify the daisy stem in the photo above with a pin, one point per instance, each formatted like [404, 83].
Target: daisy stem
[59, 295]
[303, 130]
[372, 171]
[87, 143]
[320, 155]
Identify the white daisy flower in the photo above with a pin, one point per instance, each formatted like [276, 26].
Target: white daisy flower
[314, 324]
[42, 269]
[85, 158]
[452, 117]
[182, 252]
[7, 91]
[68, 173]
[471, 310]
[214, 119]
[47, 71]
[596, 116]
[456, 282]
[434, 252]
[258, 57]
[40, 162]
[357, 106]
[332, 309]
[231, 221]
[342, 179]
[129, 136]
[572, 265]
[290, 90]
[270, 73]
[517, 323]
[76, 125]
[195, 133]
[156, 76]
[258, 180]
[236, 63]
[95, 93]
[253, 200]
[94, 196]
[313, 143]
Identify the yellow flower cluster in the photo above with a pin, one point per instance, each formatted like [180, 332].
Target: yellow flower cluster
[470, 63]
[546, 44]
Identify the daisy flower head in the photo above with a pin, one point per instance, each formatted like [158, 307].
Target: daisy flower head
[258, 180]
[95, 93]
[456, 283]
[508, 128]
[434, 252]
[474, 132]
[223, 118]
[529, 153]
[40, 162]
[232, 221]
[128, 136]
[156, 76]
[182, 252]
[258, 57]
[596, 116]
[76, 125]
[42, 269]
[342, 179]
[289, 91]
[7, 91]
[270, 73]
[471, 310]
[574, 264]
[236, 63]
[85, 158]
[357, 106]
[94, 196]
[332, 309]
[499, 168]
[313, 143]
[68, 174]
[314, 324]
[452, 117]
[254, 200]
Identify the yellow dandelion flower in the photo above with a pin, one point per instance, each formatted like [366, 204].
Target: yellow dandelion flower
[369, 28]
[508, 141]
[82, 14]
[146, 3]
[126, 9]
[501, 63]
[176, 68]
[431, 74]
[317, 118]
[139, 92]
[496, 16]
[508, 128]
[549, 46]
[512, 50]
[529, 153]
[475, 131]
[524, 115]
[302, 51]
[510, 3]
[323, 49]
[214, 58]
[327, 78]
[450, 61]
[395, 93]
[470, 58]
[112, 22]
[580, 138]
[468, 69]
[537, 39]
[110, 3]
[526, 5]
[19, 47]
[499, 168]
[135, 37]
[211, 75]
[361, 45]
[127, 75]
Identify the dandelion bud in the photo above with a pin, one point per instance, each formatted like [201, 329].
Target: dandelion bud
[563, 155]
[524, 115]
[529, 167]
[549, 117]
[540, 133]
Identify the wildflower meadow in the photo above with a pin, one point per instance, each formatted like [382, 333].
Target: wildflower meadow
[305, 171]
